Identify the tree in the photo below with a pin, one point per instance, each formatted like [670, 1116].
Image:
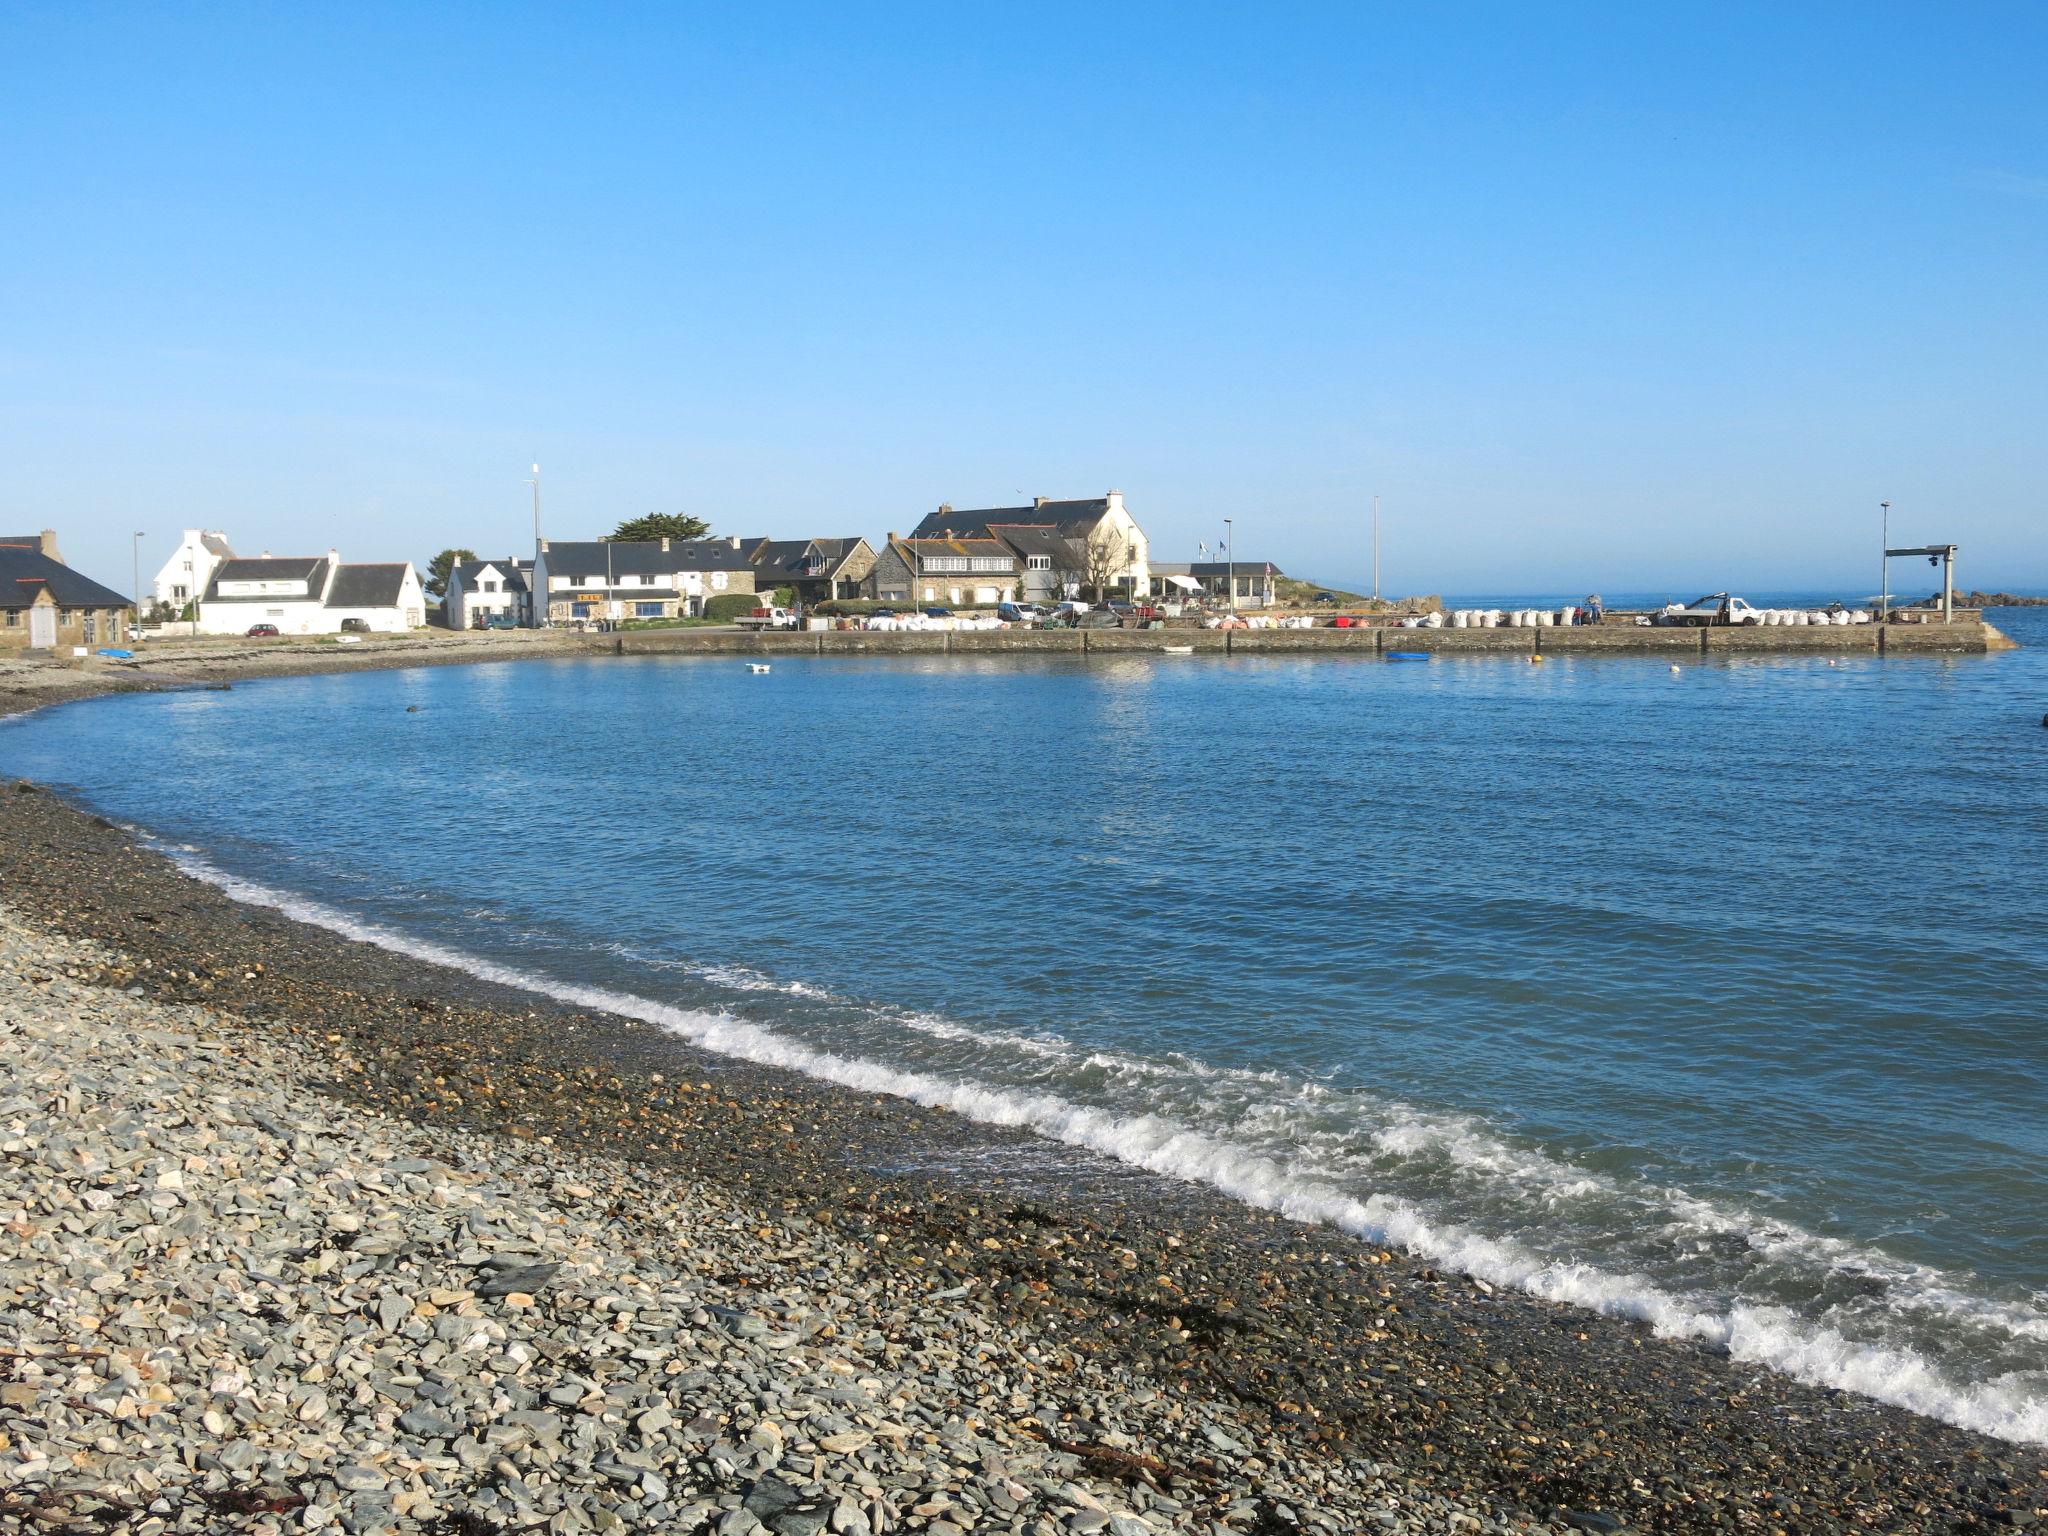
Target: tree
[441, 566]
[1069, 567]
[1104, 561]
[661, 525]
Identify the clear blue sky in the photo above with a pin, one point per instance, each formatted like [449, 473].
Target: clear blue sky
[1617, 295]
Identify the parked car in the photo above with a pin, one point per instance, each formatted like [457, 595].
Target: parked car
[882, 613]
[1020, 613]
[1324, 597]
[1713, 609]
[938, 613]
[501, 621]
[767, 618]
[355, 626]
[262, 632]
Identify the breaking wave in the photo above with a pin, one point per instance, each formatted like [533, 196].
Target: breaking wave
[1313, 1165]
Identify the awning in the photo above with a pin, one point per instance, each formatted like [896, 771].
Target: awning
[1186, 583]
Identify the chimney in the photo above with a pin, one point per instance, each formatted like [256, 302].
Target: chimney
[664, 543]
[334, 557]
[1037, 502]
[945, 508]
[893, 535]
[49, 545]
[735, 541]
[1116, 501]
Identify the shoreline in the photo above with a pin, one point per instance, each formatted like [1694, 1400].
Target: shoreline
[28, 683]
[1510, 1406]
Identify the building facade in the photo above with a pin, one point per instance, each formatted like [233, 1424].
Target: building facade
[184, 577]
[45, 605]
[311, 595]
[482, 590]
[591, 581]
[816, 570]
[1058, 548]
[1254, 582]
[949, 572]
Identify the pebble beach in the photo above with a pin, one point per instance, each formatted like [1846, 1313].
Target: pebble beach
[302, 1232]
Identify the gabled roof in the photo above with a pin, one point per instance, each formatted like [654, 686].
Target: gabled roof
[786, 557]
[1048, 543]
[515, 572]
[311, 569]
[367, 586]
[644, 557]
[25, 572]
[1070, 517]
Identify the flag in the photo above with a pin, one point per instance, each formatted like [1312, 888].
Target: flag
[1202, 550]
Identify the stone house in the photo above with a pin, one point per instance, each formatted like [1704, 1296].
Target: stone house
[1057, 548]
[44, 604]
[952, 572]
[817, 570]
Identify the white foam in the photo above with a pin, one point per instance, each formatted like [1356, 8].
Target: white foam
[2013, 1407]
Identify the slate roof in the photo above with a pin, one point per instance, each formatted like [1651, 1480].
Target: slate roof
[585, 560]
[26, 571]
[1070, 517]
[311, 569]
[786, 557]
[515, 572]
[367, 586]
[1062, 551]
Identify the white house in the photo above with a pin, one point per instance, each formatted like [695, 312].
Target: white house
[311, 595]
[480, 590]
[575, 583]
[185, 575]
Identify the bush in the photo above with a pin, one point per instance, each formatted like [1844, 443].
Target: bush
[727, 606]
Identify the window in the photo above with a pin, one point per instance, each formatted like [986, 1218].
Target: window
[90, 627]
[990, 563]
[945, 562]
[490, 586]
[1038, 562]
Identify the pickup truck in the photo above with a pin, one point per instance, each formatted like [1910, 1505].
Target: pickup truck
[767, 618]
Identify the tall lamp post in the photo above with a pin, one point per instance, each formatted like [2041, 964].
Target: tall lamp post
[1375, 549]
[535, 483]
[135, 551]
[1884, 589]
[1230, 563]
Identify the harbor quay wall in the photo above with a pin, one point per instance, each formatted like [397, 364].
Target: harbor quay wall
[1833, 639]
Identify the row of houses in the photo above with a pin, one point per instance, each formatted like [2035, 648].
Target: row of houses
[1044, 552]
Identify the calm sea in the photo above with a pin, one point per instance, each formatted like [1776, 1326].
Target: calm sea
[1713, 997]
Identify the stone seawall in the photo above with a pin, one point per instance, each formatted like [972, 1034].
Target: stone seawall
[1615, 639]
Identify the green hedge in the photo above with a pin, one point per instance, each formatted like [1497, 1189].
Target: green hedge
[728, 606]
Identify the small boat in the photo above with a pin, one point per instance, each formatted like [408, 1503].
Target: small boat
[1176, 650]
[757, 667]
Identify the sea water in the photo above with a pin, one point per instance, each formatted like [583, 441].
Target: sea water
[1711, 997]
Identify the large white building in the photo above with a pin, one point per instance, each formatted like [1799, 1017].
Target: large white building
[185, 575]
[311, 595]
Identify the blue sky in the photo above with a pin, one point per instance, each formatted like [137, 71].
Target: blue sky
[1613, 296]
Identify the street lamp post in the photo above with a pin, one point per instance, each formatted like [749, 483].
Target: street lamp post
[1884, 590]
[135, 551]
[1230, 562]
[1375, 549]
